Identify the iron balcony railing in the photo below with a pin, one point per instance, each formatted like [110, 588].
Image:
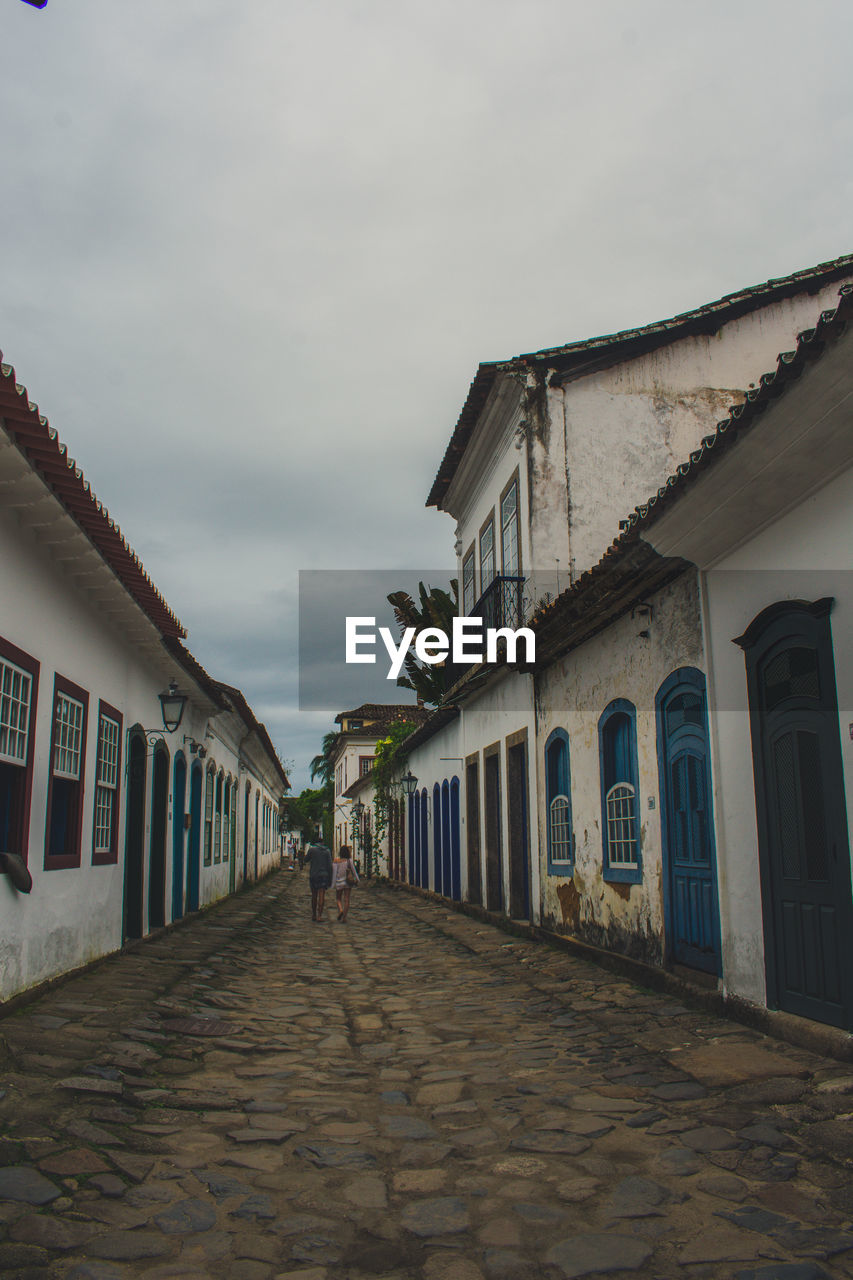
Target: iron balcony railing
[500, 605]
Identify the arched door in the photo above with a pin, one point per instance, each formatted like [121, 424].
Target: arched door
[159, 823]
[804, 851]
[194, 850]
[246, 833]
[179, 799]
[437, 832]
[134, 845]
[692, 913]
[455, 848]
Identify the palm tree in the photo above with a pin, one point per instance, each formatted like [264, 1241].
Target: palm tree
[321, 766]
[438, 608]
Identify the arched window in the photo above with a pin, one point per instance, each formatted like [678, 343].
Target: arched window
[208, 817]
[617, 742]
[226, 819]
[559, 803]
[217, 839]
[234, 820]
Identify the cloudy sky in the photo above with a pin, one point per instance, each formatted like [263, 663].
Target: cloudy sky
[253, 252]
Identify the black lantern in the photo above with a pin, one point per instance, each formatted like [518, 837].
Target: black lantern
[409, 783]
[172, 704]
[357, 810]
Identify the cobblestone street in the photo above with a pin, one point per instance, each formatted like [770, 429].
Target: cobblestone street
[416, 1094]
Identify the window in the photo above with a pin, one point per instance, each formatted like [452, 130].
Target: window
[509, 530]
[617, 740]
[234, 821]
[469, 589]
[105, 840]
[226, 820]
[487, 554]
[217, 821]
[365, 764]
[18, 687]
[65, 788]
[557, 797]
[208, 818]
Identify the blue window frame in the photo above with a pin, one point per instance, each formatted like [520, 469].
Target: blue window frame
[620, 798]
[558, 800]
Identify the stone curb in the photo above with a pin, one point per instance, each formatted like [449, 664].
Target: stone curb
[831, 1042]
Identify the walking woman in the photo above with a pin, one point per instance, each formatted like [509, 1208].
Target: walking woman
[344, 876]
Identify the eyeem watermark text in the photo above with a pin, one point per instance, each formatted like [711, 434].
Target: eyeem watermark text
[433, 645]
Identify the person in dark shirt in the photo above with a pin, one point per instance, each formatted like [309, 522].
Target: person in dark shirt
[319, 860]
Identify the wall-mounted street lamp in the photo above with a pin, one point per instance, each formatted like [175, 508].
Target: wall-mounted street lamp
[357, 809]
[172, 704]
[409, 783]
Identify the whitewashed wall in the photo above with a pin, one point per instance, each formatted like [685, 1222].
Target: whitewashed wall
[504, 709]
[74, 915]
[629, 427]
[806, 554]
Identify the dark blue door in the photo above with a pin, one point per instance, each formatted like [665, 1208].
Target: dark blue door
[194, 856]
[455, 847]
[179, 799]
[687, 823]
[803, 841]
[438, 874]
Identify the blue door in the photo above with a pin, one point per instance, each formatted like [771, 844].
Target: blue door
[687, 823]
[438, 873]
[194, 856]
[179, 799]
[455, 849]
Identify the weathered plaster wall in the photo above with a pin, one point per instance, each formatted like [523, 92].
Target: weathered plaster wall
[629, 427]
[572, 694]
[806, 554]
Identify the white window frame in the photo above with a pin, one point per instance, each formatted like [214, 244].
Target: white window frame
[68, 740]
[106, 783]
[16, 692]
[621, 826]
[559, 819]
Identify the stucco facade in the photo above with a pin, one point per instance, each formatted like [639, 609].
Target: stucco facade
[103, 825]
[629, 660]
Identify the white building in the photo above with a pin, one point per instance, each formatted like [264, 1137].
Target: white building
[115, 825]
[550, 451]
[352, 759]
[765, 510]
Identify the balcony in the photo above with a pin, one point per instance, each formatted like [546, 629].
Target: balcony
[500, 605]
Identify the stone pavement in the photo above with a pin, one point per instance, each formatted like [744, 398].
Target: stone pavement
[413, 1094]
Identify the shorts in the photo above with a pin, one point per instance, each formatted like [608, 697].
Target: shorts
[319, 882]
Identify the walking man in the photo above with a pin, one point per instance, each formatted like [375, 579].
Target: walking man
[319, 860]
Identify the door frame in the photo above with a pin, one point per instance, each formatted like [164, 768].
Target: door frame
[792, 620]
[694, 679]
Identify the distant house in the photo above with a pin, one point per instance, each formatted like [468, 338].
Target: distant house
[606, 790]
[110, 825]
[352, 761]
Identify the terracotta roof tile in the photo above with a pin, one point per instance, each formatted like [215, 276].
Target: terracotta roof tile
[48, 457]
